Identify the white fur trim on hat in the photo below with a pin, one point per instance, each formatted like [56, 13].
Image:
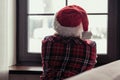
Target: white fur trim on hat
[68, 31]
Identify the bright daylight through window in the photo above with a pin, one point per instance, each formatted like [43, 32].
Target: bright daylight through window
[41, 14]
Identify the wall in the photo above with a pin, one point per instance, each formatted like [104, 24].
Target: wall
[3, 41]
[7, 36]
[11, 27]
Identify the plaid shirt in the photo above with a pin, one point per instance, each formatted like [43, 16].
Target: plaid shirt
[63, 57]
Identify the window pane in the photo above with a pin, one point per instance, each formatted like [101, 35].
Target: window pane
[92, 6]
[41, 26]
[44, 6]
[98, 27]
[38, 28]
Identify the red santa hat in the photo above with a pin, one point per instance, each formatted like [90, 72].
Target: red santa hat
[71, 21]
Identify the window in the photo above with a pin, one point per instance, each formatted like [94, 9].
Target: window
[34, 22]
[41, 14]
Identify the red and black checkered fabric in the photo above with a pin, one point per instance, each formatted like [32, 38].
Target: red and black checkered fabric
[63, 57]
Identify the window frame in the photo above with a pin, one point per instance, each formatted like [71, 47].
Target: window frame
[23, 58]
